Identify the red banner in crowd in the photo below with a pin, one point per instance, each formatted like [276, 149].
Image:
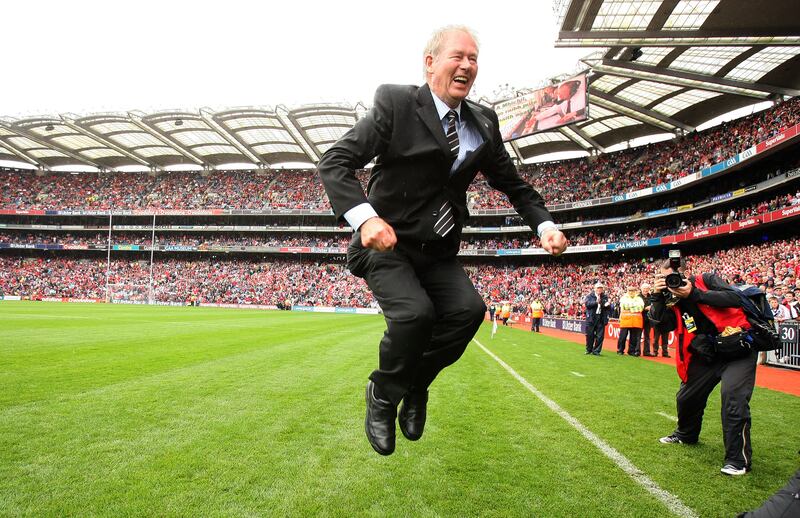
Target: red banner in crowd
[777, 139]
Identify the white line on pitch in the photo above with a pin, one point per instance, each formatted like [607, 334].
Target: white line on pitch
[672, 502]
[670, 417]
[578, 374]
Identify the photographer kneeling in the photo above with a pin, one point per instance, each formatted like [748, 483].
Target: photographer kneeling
[712, 345]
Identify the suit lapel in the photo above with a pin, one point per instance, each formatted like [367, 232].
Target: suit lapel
[428, 114]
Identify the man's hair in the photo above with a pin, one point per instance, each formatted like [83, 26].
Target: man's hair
[436, 40]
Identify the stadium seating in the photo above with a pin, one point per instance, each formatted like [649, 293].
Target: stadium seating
[273, 280]
[630, 232]
[558, 182]
[561, 285]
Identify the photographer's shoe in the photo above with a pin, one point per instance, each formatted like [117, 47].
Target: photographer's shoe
[412, 415]
[670, 439]
[379, 423]
[730, 469]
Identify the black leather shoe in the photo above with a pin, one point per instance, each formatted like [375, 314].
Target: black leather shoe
[379, 423]
[412, 415]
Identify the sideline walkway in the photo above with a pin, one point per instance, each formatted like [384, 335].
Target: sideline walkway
[773, 378]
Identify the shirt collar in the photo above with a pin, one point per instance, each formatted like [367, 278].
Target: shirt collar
[442, 109]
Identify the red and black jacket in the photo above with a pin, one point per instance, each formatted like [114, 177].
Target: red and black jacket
[713, 304]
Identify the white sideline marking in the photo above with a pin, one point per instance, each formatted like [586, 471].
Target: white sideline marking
[670, 417]
[537, 355]
[671, 501]
[578, 374]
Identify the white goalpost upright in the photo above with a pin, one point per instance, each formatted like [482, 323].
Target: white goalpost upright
[129, 292]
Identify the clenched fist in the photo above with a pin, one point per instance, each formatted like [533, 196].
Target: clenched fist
[377, 234]
[554, 241]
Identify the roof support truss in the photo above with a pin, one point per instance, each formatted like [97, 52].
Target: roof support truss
[208, 116]
[660, 38]
[168, 142]
[641, 113]
[70, 123]
[52, 145]
[571, 131]
[22, 154]
[299, 136]
[688, 79]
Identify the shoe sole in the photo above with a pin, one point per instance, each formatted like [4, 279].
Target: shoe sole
[733, 474]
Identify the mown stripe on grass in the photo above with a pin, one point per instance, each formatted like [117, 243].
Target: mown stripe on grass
[672, 502]
[670, 417]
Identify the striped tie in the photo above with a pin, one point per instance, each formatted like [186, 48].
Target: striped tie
[445, 223]
[452, 134]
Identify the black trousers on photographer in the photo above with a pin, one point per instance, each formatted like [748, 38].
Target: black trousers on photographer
[738, 378]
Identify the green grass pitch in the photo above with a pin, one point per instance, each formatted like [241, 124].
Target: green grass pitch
[110, 410]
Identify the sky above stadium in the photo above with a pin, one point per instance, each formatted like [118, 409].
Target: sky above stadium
[95, 56]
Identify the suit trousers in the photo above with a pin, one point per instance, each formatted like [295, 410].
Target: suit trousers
[633, 346]
[430, 305]
[595, 334]
[738, 378]
[661, 337]
[646, 326]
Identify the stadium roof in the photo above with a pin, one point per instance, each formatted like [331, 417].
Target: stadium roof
[206, 139]
[670, 65]
[660, 66]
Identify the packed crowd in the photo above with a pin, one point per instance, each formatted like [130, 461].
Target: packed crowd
[560, 285]
[301, 189]
[206, 281]
[631, 232]
[637, 168]
[175, 239]
[642, 230]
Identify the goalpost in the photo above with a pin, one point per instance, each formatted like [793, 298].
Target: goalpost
[131, 293]
[128, 293]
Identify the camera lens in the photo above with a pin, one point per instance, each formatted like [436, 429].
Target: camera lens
[674, 280]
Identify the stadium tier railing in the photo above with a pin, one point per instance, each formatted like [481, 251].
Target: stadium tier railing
[788, 213]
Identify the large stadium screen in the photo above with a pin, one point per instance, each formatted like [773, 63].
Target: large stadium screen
[543, 109]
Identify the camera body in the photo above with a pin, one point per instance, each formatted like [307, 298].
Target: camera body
[674, 279]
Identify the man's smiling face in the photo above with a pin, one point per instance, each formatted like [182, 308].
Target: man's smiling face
[452, 71]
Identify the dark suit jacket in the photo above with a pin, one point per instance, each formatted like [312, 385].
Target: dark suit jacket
[591, 309]
[411, 178]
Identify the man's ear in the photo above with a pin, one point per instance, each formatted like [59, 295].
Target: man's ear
[429, 64]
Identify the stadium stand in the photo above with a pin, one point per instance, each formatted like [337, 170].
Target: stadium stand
[624, 233]
[559, 182]
[238, 280]
[727, 195]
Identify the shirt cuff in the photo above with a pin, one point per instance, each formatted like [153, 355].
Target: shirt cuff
[359, 214]
[544, 225]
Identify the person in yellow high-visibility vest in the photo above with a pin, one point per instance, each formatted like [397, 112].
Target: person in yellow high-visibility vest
[537, 312]
[631, 306]
[506, 313]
